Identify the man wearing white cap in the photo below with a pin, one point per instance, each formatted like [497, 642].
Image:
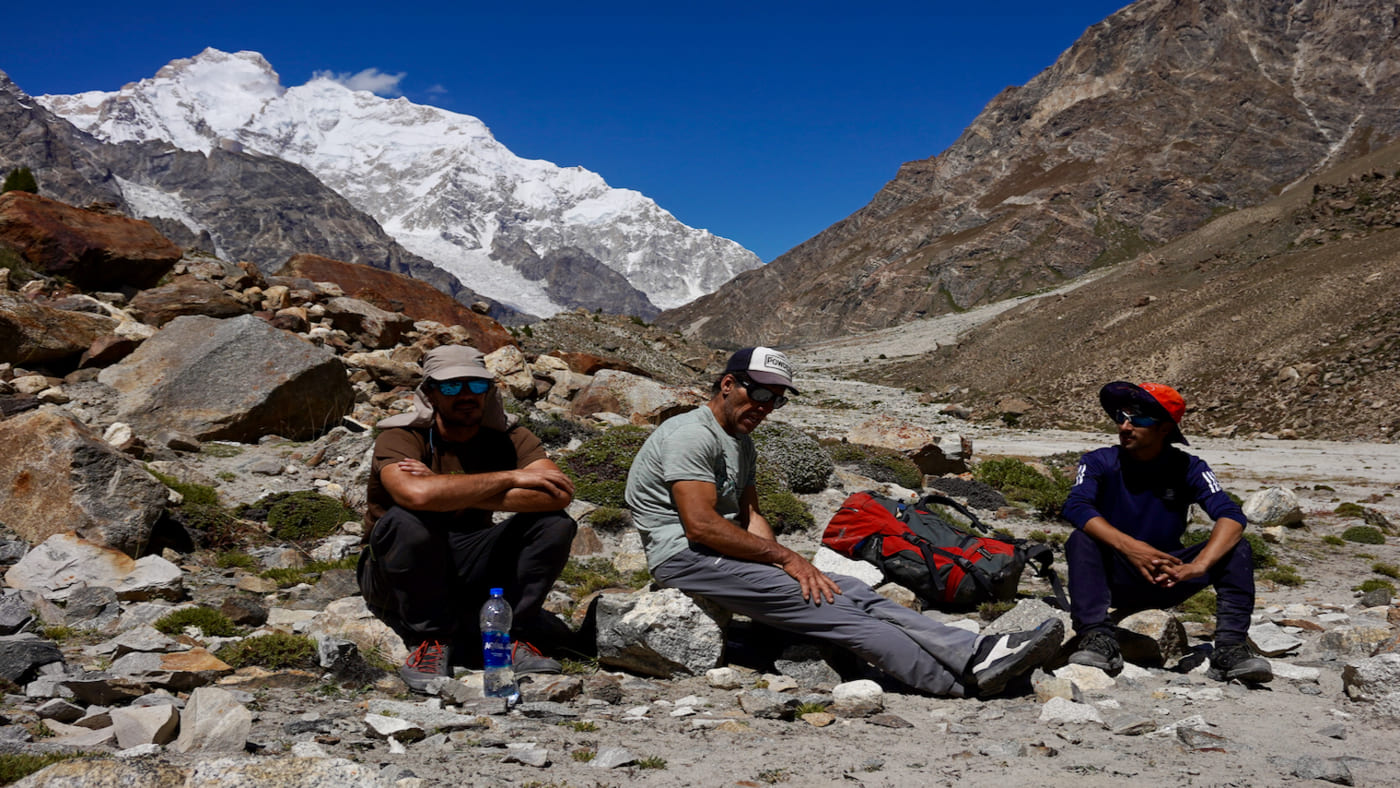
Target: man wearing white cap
[692, 495]
[433, 552]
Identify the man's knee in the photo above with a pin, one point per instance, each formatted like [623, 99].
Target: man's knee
[401, 540]
[1083, 553]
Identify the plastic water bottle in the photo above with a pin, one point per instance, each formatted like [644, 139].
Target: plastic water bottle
[499, 681]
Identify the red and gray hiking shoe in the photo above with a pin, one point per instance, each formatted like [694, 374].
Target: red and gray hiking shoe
[427, 662]
[525, 658]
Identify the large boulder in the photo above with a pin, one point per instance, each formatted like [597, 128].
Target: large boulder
[1273, 506]
[1375, 680]
[96, 251]
[398, 293]
[65, 563]
[61, 476]
[891, 433]
[31, 333]
[366, 323]
[639, 400]
[661, 633]
[237, 379]
[185, 295]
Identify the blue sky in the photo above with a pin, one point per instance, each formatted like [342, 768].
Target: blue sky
[762, 122]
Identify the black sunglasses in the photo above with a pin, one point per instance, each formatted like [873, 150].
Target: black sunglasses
[451, 388]
[761, 395]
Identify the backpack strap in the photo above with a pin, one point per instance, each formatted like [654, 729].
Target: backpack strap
[1042, 556]
[943, 500]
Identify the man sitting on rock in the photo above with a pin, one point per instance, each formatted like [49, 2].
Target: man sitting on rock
[691, 491]
[433, 552]
[1129, 506]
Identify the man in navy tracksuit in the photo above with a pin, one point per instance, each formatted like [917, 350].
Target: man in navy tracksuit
[1129, 507]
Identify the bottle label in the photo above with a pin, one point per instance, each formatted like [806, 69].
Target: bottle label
[495, 649]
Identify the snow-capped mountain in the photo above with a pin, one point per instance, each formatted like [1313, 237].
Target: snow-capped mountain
[437, 181]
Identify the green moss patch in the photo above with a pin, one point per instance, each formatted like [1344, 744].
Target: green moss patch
[599, 465]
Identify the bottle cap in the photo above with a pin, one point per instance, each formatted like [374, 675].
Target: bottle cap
[497, 592]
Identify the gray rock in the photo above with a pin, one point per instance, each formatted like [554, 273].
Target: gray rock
[366, 323]
[137, 725]
[427, 715]
[1027, 614]
[141, 638]
[1060, 711]
[1198, 738]
[1128, 724]
[59, 709]
[22, 655]
[14, 613]
[804, 664]
[236, 379]
[832, 562]
[65, 562]
[638, 399]
[179, 671]
[528, 755]
[612, 757]
[1151, 637]
[1379, 597]
[94, 607]
[1372, 679]
[767, 704]
[381, 726]
[213, 721]
[1358, 640]
[889, 721]
[103, 689]
[1273, 506]
[661, 633]
[1332, 770]
[547, 710]
[1270, 640]
[87, 486]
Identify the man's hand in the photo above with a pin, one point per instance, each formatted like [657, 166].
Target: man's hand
[815, 584]
[546, 478]
[1152, 563]
[1182, 573]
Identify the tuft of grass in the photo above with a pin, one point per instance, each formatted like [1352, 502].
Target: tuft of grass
[1284, 575]
[880, 464]
[226, 476]
[651, 762]
[1363, 534]
[233, 559]
[1389, 570]
[1350, 509]
[192, 493]
[583, 576]
[810, 707]
[1373, 584]
[210, 621]
[223, 450]
[583, 754]
[991, 611]
[1200, 607]
[609, 518]
[278, 651]
[582, 726]
[298, 516]
[286, 577]
[58, 634]
[599, 465]
[15, 766]
[578, 667]
[1334, 540]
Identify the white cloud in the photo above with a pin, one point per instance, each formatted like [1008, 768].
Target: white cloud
[437, 90]
[371, 79]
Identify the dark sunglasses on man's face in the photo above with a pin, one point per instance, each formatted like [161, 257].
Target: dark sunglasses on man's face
[451, 388]
[1136, 419]
[761, 395]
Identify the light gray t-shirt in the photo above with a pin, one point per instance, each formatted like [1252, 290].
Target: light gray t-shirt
[691, 447]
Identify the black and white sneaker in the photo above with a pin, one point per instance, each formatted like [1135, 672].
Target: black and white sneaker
[1001, 658]
[1099, 649]
[1236, 662]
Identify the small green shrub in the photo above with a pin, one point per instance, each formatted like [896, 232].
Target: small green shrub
[880, 464]
[583, 755]
[806, 467]
[210, 621]
[1284, 575]
[1350, 509]
[1334, 540]
[599, 465]
[1020, 482]
[578, 667]
[785, 512]
[583, 576]
[582, 726]
[651, 762]
[810, 707]
[1056, 539]
[1389, 570]
[191, 493]
[609, 518]
[1373, 584]
[277, 651]
[1363, 534]
[211, 526]
[20, 179]
[224, 450]
[299, 516]
[58, 634]
[1200, 607]
[286, 577]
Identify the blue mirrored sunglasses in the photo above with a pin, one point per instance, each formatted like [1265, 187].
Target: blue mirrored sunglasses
[1136, 419]
[761, 395]
[451, 388]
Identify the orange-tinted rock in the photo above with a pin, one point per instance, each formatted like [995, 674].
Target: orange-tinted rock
[589, 364]
[94, 250]
[31, 333]
[106, 350]
[396, 292]
[185, 295]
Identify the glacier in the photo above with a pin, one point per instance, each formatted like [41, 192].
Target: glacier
[437, 181]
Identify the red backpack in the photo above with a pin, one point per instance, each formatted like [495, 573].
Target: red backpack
[945, 566]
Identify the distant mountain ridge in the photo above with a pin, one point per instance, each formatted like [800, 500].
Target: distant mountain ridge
[438, 182]
[1163, 115]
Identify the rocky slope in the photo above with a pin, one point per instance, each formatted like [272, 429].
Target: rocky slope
[437, 181]
[1165, 114]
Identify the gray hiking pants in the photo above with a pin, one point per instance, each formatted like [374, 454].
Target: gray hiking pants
[918, 651]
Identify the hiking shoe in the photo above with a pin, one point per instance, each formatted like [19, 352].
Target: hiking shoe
[427, 662]
[1099, 649]
[1235, 661]
[525, 658]
[999, 659]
